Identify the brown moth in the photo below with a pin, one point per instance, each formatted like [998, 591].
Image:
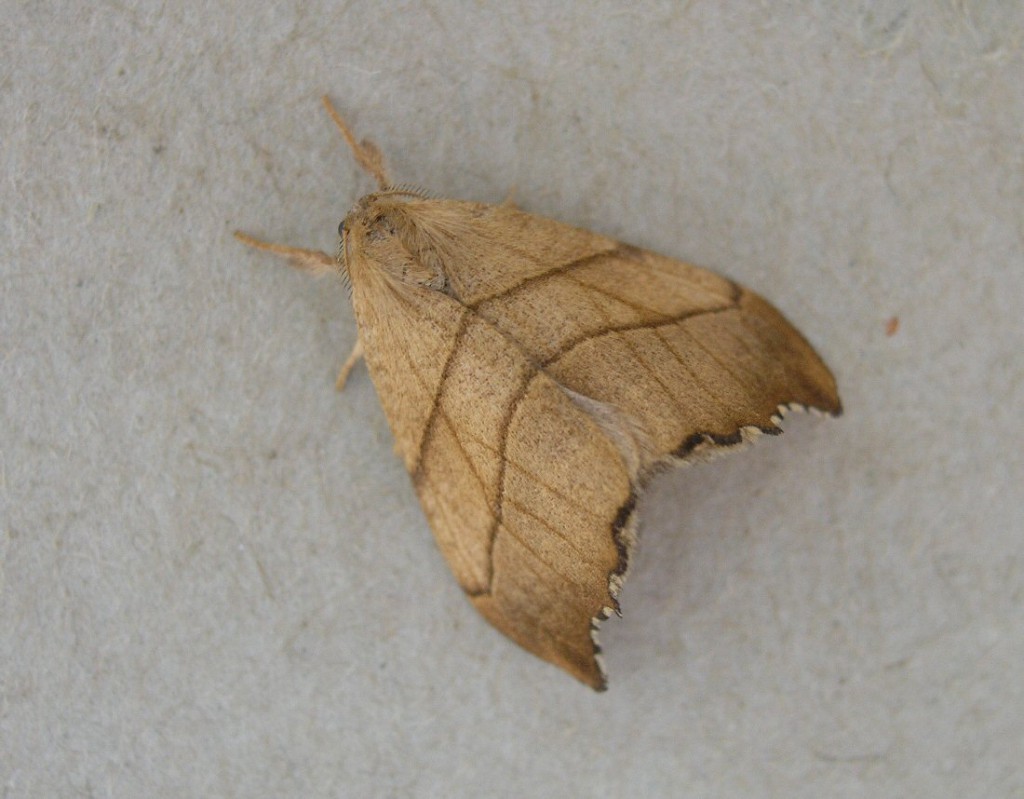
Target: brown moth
[535, 375]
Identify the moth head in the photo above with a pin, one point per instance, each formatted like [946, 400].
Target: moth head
[383, 236]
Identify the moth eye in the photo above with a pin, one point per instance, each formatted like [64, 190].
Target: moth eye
[341, 228]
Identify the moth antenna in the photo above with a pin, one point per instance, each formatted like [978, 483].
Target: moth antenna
[365, 152]
[312, 261]
[410, 189]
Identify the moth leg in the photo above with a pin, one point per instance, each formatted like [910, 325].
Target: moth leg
[510, 199]
[353, 358]
[312, 261]
[365, 152]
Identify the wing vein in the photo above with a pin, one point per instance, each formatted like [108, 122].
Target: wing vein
[679, 359]
[554, 530]
[436, 400]
[506, 424]
[569, 346]
[561, 269]
[637, 356]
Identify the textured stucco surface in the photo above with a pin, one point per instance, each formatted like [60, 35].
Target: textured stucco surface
[216, 578]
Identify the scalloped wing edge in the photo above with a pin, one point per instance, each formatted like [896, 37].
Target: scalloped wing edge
[624, 529]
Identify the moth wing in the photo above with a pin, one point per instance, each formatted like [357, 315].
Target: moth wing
[528, 499]
[681, 358]
[531, 398]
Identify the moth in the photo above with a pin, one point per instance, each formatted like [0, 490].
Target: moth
[535, 376]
